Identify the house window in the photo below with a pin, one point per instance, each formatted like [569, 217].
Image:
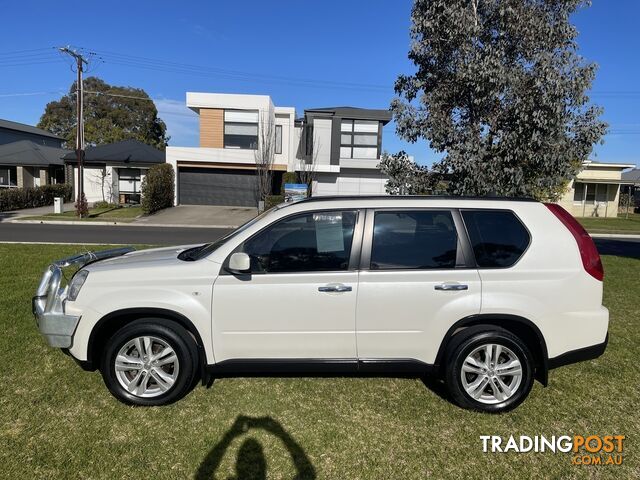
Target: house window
[590, 193]
[129, 185]
[241, 129]
[278, 138]
[308, 139]
[578, 192]
[359, 139]
[8, 177]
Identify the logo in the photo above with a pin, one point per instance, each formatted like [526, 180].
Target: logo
[584, 450]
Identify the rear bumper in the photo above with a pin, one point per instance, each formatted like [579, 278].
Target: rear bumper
[579, 355]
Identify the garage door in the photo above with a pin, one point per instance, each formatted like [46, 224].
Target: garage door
[204, 186]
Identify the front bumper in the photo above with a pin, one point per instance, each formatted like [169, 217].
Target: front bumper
[48, 308]
[49, 302]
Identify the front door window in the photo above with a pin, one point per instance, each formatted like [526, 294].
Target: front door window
[311, 242]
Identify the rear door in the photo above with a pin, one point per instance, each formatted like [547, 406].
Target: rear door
[417, 279]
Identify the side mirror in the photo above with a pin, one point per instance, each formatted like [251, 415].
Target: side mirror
[239, 263]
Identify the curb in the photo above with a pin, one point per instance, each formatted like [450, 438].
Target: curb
[180, 225]
[615, 235]
[118, 224]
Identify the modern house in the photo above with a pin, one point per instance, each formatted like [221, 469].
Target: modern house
[29, 156]
[113, 172]
[595, 192]
[341, 146]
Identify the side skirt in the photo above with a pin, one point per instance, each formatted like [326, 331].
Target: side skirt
[328, 367]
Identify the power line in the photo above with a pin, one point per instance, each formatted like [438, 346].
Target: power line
[26, 51]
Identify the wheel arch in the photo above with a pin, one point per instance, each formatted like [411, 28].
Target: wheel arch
[522, 327]
[112, 322]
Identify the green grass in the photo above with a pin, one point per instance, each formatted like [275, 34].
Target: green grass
[57, 421]
[108, 214]
[621, 224]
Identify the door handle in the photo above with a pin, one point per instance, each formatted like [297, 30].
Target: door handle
[335, 288]
[451, 286]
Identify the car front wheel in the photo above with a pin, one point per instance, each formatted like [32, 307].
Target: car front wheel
[489, 369]
[150, 362]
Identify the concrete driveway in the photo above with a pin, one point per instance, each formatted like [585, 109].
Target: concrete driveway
[200, 216]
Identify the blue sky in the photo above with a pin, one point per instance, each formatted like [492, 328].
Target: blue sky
[303, 54]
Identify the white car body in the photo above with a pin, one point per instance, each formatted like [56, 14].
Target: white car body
[390, 315]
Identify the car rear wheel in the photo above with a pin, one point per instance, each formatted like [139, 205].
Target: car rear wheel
[150, 362]
[488, 369]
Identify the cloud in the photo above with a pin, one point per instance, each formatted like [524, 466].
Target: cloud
[182, 123]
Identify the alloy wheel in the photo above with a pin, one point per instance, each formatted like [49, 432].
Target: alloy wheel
[147, 366]
[491, 373]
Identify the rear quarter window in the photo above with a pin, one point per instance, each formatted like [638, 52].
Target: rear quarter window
[498, 237]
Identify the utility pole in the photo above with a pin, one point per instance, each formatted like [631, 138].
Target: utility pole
[80, 62]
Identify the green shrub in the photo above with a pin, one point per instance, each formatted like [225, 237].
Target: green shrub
[158, 188]
[31, 197]
[82, 207]
[272, 201]
[103, 204]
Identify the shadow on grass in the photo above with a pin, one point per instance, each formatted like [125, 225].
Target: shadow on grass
[251, 463]
[437, 386]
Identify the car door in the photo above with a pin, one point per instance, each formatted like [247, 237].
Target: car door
[416, 281]
[299, 300]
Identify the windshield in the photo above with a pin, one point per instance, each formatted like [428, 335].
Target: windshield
[208, 248]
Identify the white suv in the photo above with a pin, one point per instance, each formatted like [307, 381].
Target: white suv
[487, 294]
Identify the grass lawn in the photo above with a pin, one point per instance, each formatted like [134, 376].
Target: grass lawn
[621, 224]
[109, 214]
[57, 421]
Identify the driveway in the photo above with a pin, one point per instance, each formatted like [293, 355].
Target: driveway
[200, 216]
[32, 212]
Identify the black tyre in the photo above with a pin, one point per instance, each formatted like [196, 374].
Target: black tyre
[488, 369]
[150, 362]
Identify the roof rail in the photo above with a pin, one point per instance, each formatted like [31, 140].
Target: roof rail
[414, 197]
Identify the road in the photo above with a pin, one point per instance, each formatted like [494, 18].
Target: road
[108, 234]
[619, 246]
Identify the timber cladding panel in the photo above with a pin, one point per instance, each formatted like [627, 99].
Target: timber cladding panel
[212, 127]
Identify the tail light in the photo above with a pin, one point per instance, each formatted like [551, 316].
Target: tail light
[588, 251]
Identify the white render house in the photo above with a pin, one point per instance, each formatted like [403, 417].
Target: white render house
[341, 145]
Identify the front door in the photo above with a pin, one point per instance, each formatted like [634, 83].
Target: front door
[299, 300]
[414, 285]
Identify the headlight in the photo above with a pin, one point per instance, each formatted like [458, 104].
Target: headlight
[76, 284]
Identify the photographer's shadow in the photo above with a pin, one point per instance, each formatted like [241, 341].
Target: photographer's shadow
[251, 463]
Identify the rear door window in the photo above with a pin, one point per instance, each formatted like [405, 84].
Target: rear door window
[498, 237]
[413, 239]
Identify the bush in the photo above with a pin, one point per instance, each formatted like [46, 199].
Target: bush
[158, 188]
[103, 204]
[272, 201]
[82, 207]
[31, 197]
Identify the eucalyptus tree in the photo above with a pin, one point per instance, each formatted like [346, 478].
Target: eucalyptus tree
[501, 91]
